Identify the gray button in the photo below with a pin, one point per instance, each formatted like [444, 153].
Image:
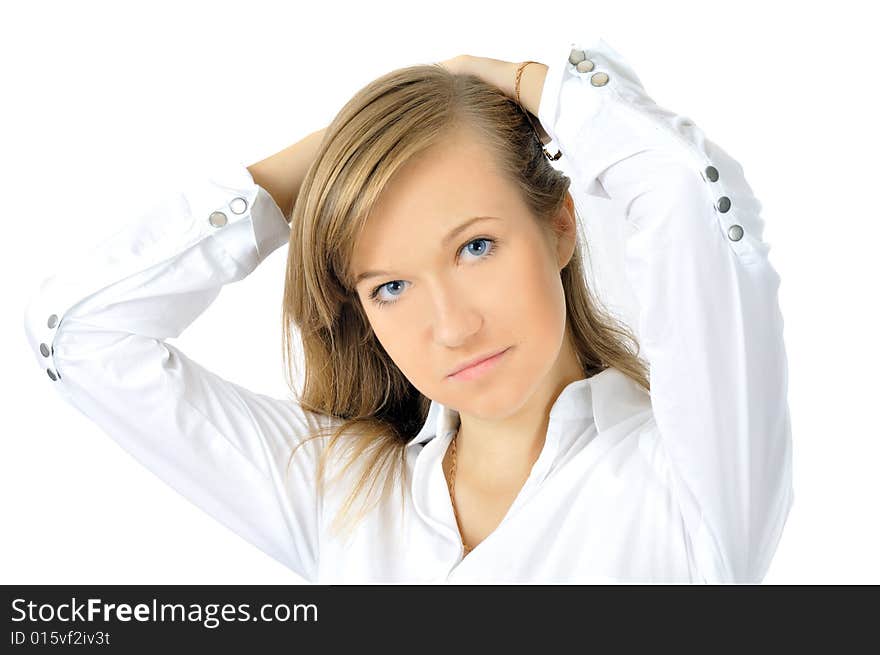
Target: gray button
[735, 232]
[599, 79]
[576, 56]
[44, 350]
[217, 219]
[585, 66]
[51, 374]
[238, 205]
[712, 173]
[723, 204]
[53, 321]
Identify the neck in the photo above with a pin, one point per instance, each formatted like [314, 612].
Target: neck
[492, 454]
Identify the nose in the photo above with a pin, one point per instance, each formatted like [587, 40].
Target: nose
[456, 317]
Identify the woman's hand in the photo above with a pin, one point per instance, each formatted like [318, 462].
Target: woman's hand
[496, 72]
[502, 75]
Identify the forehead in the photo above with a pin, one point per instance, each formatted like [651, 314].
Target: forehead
[430, 195]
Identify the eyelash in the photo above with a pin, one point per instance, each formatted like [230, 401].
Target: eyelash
[493, 248]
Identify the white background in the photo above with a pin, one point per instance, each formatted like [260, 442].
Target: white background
[105, 104]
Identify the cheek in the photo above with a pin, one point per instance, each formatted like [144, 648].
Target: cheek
[536, 296]
[398, 339]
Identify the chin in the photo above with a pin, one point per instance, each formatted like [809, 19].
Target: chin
[496, 401]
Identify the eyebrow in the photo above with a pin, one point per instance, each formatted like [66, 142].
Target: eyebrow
[454, 232]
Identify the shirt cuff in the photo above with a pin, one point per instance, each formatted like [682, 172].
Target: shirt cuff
[268, 225]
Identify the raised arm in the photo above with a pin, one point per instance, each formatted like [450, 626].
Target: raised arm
[98, 330]
[709, 322]
[282, 174]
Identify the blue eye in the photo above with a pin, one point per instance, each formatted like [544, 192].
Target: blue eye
[480, 255]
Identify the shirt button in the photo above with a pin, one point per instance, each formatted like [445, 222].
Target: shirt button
[576, 56]
[51, 374]
[238, 205]
[712, 173]
[599, 79]
[217, 219]
[735, 232]
[585, 66]
[53, 321]
[44, 350]
[723, 204]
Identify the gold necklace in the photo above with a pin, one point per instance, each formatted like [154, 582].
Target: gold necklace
[451, 483]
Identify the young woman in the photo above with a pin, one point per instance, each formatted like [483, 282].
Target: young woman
[470, 411]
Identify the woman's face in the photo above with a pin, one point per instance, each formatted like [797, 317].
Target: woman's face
[456, 288]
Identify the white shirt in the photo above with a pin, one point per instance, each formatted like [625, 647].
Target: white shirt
[691, 483]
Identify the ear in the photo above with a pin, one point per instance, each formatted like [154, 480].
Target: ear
[565, 229]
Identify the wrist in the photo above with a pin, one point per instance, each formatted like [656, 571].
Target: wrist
[531, 85]
[496, 72]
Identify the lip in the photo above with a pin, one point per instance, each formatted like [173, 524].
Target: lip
[487, 361]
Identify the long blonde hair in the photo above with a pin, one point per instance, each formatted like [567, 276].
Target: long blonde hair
[348, 376]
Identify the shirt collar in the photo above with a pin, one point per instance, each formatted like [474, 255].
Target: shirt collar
[608, 397]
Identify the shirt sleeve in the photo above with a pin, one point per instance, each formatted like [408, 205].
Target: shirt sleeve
[98, 326]
[709, 322]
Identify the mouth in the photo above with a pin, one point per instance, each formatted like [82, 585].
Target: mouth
[478, 366]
